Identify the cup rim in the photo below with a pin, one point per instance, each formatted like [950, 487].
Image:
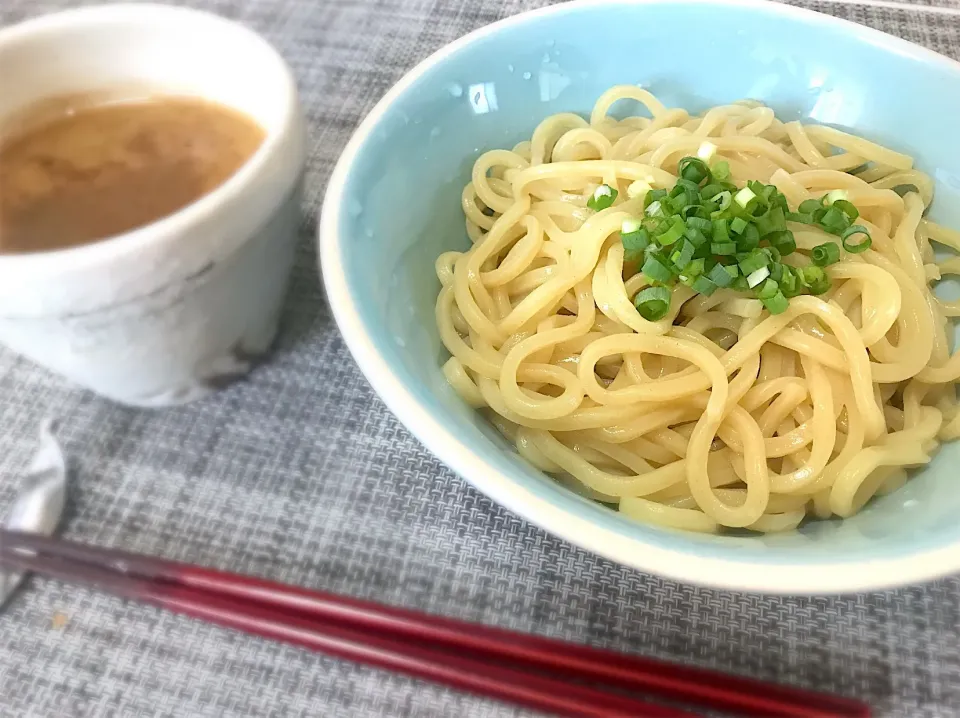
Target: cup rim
[728, 573]
[202, 208]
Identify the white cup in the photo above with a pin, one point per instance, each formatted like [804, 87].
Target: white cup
[173, 310]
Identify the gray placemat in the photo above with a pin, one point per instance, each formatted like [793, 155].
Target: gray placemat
[302, 475]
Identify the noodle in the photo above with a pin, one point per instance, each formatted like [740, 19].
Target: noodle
[718, 414]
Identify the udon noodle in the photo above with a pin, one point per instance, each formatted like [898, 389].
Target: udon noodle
[719, 414]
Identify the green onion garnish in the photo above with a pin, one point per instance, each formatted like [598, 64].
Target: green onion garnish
[672, 232]
[789, 284]
[653, 303]
[654, 195]
[693, 169]
[695, 235]
[833, 220]
[814, 279]
[744, 197]
[721, 170]
[695, 268]
[758, 276]
[783, 241]
[683, 256]
[704, 225]
[847, 208]
[720, 233]
[777, 304]
[723, 275]
[704, 285]
[852, 231]
[723, 200]
[750, 238]
[753, 261]
[656, 268]
[826, 254]
[768, 289]
[707, 233]
[602, 197]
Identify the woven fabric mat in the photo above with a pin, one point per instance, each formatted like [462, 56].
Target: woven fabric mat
[302, 475]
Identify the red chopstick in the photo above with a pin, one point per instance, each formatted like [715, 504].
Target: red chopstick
[500, 682]
[211, 595]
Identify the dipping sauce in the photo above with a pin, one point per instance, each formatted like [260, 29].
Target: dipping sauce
[96, 171]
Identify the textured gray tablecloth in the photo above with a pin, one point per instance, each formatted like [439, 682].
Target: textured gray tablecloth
[302, 475]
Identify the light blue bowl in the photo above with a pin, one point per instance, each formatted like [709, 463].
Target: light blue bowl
[393, 205]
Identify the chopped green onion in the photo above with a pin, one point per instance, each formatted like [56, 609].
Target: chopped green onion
[693, 169]
[653, 303]
[683, 256]
[637, 188]
[756, 277]
[753, 261]
[696, 236]
[700, 211]
[634, 243]
[687, 188]
[783, 241]
[695, 268]
[707, 232]
[707, 151]
[777, 304]
[724, 200]
[814, 279]
[672, 233]
[711, 191]
[834, 221]
[853, 231]
[837, 195]
[847, 208]
[652, 196]
[744, 197]
[720, 233]
[656, 269]
[704, 286]
[772, 220]
[750, 238]
[768, 289]
[789, 284]
[722, 275]
[602, 197]
[826, 254]
[800, 217]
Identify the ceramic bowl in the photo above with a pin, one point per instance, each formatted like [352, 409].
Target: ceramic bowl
[393, 205]
[173, 310]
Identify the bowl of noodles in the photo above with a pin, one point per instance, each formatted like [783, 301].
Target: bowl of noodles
[672, 280]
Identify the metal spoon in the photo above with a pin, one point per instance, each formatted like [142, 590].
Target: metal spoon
[39, 505]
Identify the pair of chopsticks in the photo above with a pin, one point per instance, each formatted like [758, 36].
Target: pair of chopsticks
[552, 676]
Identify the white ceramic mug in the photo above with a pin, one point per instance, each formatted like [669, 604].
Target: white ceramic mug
[173, 310]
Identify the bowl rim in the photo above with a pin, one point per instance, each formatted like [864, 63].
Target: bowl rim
[633, 552]
[163, 231]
